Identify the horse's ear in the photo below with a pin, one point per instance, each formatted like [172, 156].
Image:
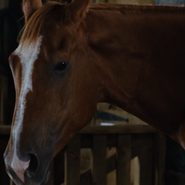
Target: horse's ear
[78, 9]
[29, 7]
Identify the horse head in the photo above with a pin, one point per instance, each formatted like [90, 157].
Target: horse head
[51, 98]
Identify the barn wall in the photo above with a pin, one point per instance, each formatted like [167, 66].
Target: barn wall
[10, 27]
[132, 1]
[170, 2]
[3, 82]
[3, 3]
[128, 1]
[162, 2]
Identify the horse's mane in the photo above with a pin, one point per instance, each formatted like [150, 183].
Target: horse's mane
[32, 28]
[134, 8]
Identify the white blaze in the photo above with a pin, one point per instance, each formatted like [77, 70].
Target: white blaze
[28, 54]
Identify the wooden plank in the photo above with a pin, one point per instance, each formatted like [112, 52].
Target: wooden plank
[111, 163]
[145, 140]
[124, 129]
[3, 97]
[59, 167]
[99, 160]
[4, 179]
[72, 166]
[132, 1]
[5, 130]
[95, 1]
[159, 158]
[86, 177]
[123, 159]
[145, 154]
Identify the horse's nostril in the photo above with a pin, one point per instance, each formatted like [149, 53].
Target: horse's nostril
[33, 166]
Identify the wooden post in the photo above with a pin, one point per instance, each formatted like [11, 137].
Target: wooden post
[59, 168]
[159, 158]
[99, 160]
[123, 159]
[4, 179]
[72, 172]
[145, 154]
[3, 97]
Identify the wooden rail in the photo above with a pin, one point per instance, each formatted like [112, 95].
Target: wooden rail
[130, 141]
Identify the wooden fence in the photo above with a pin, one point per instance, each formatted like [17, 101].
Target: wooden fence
[129, 140]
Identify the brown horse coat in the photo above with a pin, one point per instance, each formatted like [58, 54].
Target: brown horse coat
[78, 55]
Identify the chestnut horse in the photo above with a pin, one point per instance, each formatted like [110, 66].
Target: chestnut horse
[72, 56]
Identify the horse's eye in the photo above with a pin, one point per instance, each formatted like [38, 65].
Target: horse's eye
[60, 66]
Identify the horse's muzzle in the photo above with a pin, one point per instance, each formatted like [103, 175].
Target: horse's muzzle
[26, 172]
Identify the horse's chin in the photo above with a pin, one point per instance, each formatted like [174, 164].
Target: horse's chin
[39, 181]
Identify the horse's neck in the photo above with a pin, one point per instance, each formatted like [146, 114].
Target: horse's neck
[134, 52]
[109, 37]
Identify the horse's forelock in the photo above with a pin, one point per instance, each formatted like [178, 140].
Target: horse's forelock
[32, 29]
